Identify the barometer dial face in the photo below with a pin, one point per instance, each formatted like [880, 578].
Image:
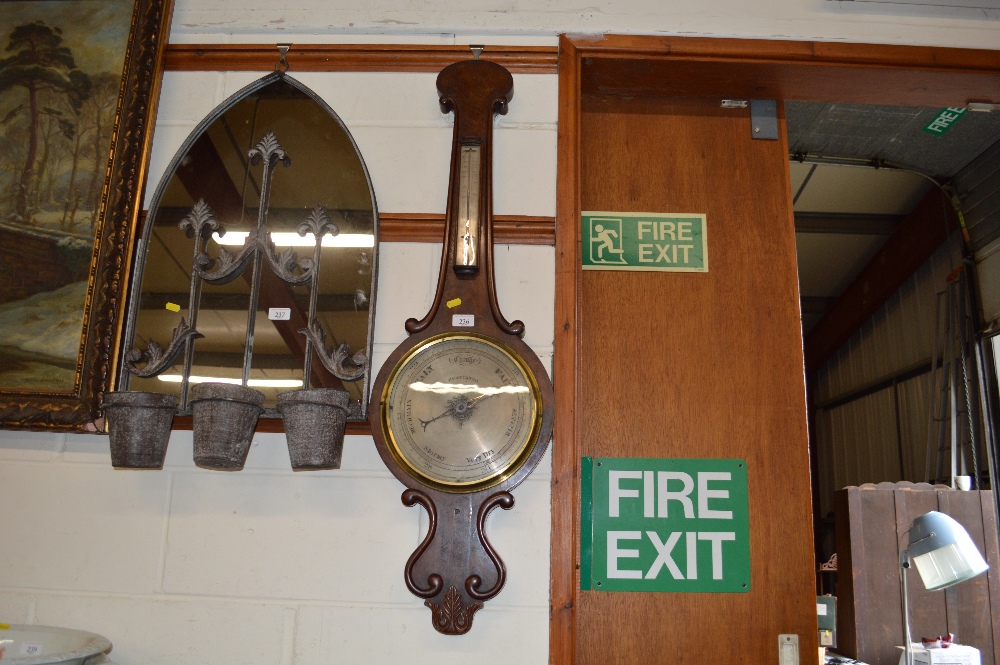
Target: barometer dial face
[461, 412]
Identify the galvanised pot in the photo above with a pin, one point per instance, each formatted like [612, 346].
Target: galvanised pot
[314, 426]
[139, 426]
[224, 419]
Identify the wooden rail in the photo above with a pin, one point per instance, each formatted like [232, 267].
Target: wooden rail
[353, 57]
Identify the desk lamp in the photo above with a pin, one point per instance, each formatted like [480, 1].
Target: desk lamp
[944, 555]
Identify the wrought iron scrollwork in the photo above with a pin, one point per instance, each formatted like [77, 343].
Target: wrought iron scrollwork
[199, 223]
[200, 218]
[285, 264]
[268, 149]
[226, 266]
[318, 223]
[155, 357]
[338, 362]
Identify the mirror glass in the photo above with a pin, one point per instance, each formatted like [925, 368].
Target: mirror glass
[213, 165]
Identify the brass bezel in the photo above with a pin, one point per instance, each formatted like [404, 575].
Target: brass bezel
[484, 483]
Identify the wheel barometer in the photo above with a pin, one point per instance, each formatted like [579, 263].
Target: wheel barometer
[464, 407]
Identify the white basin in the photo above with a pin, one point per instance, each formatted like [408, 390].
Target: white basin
[48, 645]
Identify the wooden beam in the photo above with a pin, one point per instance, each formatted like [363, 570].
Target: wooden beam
[643, 48]
[814, 304]
[353, 57]
[846, 223]
[429, 227]
[237, 302]
[788, 70]
[277, 426]
[914, 241]
[563, 584]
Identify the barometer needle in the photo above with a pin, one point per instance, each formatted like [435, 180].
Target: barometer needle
[460, 408]
[425, 423]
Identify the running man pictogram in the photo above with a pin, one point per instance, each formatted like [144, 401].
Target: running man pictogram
[603, 238]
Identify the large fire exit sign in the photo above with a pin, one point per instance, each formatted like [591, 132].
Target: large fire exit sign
[669, 242]
[654, 524]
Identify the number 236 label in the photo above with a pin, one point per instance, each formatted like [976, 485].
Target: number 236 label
[463, 320]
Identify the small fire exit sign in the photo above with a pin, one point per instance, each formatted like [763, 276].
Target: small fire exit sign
[667, 242]
[945, 120]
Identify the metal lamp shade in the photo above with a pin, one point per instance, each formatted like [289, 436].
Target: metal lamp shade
[943, 552]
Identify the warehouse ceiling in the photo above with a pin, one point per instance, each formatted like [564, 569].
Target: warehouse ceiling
[891, 134]
[856, 172]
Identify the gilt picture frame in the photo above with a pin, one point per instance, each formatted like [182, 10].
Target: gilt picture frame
[79, 87]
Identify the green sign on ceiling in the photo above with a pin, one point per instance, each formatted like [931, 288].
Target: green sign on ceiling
[945, 120]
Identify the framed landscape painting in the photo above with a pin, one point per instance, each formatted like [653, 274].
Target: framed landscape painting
[79, 84]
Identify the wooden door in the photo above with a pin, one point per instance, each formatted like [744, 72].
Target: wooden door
[699, 365]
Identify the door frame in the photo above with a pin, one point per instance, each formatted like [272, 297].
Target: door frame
[700, 67]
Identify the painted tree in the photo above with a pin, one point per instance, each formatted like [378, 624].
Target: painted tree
[40, 63]
[101, 103]
[74, 132]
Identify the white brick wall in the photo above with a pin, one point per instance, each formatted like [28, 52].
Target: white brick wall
[189, 566]
[536, 21]
[264, 565]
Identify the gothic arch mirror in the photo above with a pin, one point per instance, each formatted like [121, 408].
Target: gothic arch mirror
[324, 169]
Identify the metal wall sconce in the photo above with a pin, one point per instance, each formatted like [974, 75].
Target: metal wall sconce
[225, 414]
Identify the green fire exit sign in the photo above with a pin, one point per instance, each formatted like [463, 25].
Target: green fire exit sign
[945, 120]
[670, 242]
[656, 524]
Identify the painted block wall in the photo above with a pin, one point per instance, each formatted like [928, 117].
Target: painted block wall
[186, 566]
[189, 566]
[891, 22]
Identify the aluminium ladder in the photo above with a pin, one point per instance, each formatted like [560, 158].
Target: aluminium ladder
[953, 420]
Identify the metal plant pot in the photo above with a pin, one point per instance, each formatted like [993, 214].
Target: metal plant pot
[139, 426]
[224, 418]
[314, 426]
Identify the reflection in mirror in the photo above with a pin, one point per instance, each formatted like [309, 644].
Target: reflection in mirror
[325, 169]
